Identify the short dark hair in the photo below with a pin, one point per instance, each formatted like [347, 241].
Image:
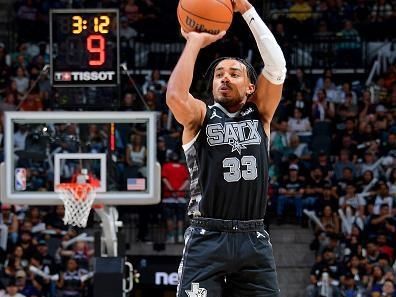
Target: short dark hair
[209, 74]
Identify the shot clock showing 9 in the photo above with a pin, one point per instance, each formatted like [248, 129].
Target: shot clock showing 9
[84, 47]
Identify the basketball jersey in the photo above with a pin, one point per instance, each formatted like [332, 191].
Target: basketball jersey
[72, 284]
[228, 165]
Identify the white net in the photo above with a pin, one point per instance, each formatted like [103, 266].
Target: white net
[78, 199]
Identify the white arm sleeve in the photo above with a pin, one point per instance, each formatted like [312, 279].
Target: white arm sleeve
[271, 53]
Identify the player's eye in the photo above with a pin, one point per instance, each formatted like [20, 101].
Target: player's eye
[235, 75]
[218, 75]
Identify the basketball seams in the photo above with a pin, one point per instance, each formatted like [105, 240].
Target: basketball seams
[180, 21]
[203, 18]
[230, 9]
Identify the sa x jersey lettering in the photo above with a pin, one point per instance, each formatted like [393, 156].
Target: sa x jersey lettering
[236, 134]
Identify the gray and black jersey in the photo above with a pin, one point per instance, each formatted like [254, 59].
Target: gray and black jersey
[228, 164]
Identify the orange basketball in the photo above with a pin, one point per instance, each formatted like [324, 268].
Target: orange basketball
[211, 16]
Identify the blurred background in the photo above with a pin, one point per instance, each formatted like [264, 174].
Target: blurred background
[332, 197]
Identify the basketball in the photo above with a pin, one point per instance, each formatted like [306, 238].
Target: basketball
[210, 16]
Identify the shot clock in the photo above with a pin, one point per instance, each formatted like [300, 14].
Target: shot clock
[84, 47]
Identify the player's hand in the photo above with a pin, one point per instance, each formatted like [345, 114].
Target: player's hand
[241, 5]
[203, 39]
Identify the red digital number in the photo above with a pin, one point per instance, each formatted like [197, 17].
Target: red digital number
[96, 45]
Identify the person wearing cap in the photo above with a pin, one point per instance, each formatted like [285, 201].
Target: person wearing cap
[25, 286]
[291, 191]
[47, 260]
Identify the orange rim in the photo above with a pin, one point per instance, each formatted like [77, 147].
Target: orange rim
[80, 191]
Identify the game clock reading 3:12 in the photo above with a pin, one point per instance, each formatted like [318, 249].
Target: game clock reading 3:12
[84, 47]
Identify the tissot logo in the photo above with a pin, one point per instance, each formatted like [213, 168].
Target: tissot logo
[236, 134]
[85, 76]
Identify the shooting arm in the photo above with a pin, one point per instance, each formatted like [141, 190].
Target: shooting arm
[187, 110]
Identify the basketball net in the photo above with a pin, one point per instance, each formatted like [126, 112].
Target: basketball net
[78, 198]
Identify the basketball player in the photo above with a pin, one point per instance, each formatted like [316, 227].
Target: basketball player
[227, 251]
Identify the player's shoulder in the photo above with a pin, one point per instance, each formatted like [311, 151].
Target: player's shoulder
[250, 108]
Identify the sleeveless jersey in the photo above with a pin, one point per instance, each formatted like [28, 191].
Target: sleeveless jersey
[228, 165]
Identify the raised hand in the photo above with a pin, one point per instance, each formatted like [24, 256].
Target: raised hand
[241, 5]
[203, 39]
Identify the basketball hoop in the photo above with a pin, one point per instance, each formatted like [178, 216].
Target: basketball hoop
[78, 199]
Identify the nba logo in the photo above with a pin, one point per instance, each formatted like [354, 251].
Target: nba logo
[20, 179]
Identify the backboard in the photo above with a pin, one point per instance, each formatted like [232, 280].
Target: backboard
[117, 149]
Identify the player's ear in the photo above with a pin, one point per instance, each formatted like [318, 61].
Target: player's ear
[250, 89]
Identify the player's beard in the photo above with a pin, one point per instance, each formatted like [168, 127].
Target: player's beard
[228, 101]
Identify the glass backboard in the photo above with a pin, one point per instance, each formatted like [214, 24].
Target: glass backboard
[116, 149]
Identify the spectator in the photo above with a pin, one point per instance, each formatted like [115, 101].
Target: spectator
[25, 286]
[299, 149]
[322, 161]
[136, 157]
[352, 200]
[133, 12]
[127, 32]
[8, 218]
[314, 190]
[154, 83]
[382, 197]
[300, 125]
[329, 199]
[9, 103]
[333, 270]
[21, 81]
[349, 47]
[342, 163]
[175, 182]
[49, 265]
[291, 191]
[280, 142]
[70, 281]
[54, 219]
[370, 164]
[322, 109]
[33, 102]
[40, 283]
[130, 103]
[12, 289]
[376, 279]
[388, 289]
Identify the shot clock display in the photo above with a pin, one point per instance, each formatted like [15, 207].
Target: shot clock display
[84, 47]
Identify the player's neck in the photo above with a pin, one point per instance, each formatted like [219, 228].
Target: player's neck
[234, 109]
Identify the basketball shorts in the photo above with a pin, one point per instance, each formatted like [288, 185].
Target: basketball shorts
[227, 258]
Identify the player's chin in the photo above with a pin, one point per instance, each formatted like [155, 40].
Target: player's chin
[226, 100]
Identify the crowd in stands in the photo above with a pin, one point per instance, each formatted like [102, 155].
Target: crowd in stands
[333, 152]
[333, 147]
